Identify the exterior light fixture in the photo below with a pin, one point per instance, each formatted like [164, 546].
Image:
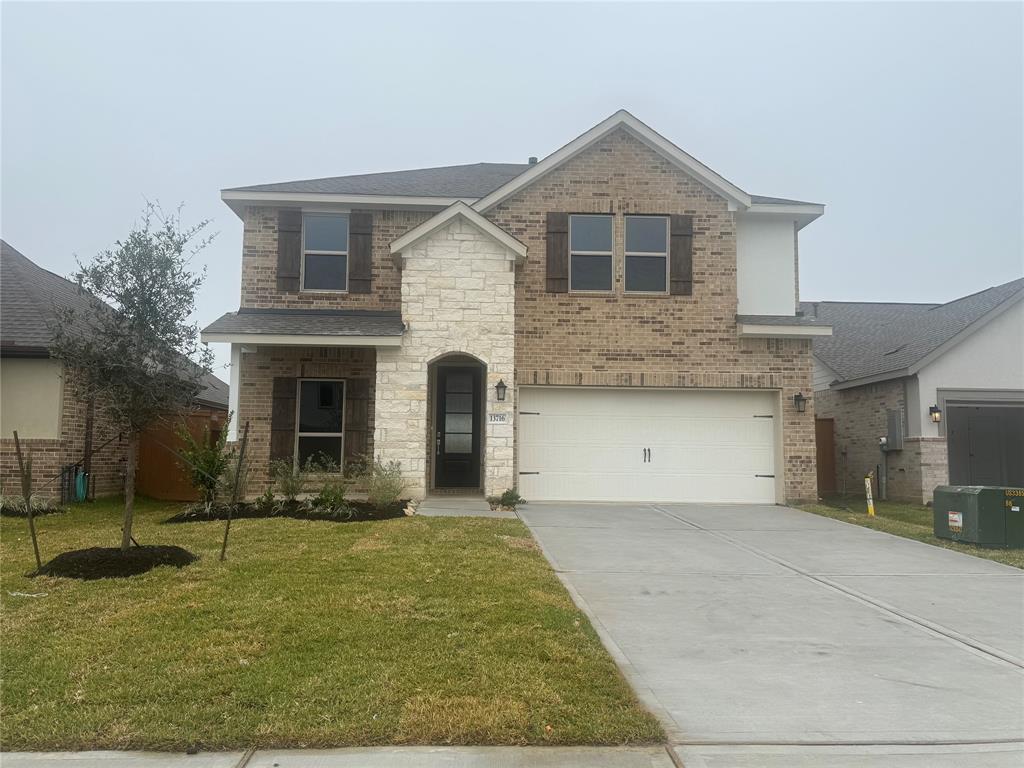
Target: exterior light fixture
[800, 402]
[500, 390]
[935, 413]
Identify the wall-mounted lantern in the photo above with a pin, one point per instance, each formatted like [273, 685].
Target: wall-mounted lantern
[800, 402]
[935, 413]
[500, 389]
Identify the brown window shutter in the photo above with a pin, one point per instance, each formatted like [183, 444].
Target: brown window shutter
[357, 419]
[558, 253]
[681, 256]
[282, 419]
[289, 249]
[360, 252]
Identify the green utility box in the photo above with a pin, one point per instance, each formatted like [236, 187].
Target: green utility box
[985, 515]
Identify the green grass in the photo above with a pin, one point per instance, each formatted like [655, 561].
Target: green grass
[408, 631]
[912, 521]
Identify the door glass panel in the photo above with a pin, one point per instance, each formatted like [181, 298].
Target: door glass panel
[458, 443]
[459, 382]
[459, 403]
[458, 422]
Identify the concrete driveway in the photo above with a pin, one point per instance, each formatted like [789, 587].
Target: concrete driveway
[767, 636]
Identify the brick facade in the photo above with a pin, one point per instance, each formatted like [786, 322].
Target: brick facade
[259, 265]
[860, 418]
[599, 340]
[49, 456]
[259, 369]
[658, 340]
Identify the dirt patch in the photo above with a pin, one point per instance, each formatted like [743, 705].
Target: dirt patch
[355, 512]
[112, 562]
[520, 542]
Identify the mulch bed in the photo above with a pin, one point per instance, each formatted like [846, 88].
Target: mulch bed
[359, 511]
[111, 562]
[9, 510]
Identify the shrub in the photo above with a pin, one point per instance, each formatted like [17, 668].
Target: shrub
[288, 478]
[384, 483]
[510, 499]
[205, 460]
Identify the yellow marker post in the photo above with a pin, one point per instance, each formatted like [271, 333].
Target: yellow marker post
[867, 491]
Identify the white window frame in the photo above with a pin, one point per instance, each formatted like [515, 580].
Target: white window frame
[302, 265]
[610, 254]
[627, 253]
[298, 418]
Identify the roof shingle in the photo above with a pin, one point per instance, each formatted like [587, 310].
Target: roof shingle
[874, 339]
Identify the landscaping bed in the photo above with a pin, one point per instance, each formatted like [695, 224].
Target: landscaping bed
[112, 562]
[412, 630]
[351, 512]
[912, 521]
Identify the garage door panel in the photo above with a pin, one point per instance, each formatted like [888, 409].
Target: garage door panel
[589, 444]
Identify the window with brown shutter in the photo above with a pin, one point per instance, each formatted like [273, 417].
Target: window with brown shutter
[558, 253]
[360, 252]
[289, 249]
[681, 255]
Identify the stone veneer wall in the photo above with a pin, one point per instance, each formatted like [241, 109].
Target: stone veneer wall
[259, 369]
[617, 339]
[50, 455]
[458, 297]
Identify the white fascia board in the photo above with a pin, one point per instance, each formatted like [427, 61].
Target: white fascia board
[431, 225]
[762, 330]
[301, 340]
[899, 373]
[237, 200]
[621, 119]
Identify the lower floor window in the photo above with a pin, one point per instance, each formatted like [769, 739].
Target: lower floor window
[321, 427]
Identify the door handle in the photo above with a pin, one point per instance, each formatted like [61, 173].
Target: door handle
[438, 453]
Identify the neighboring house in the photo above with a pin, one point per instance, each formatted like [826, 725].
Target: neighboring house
[38, 401]
[949, 377]
[614, 322]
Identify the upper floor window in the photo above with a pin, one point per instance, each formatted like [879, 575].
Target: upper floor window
[324, 252]
[647, 254]
[590, 253]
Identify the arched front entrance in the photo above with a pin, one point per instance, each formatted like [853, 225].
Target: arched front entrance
[455, 435]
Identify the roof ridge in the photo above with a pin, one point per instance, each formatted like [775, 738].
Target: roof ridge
[983, 290]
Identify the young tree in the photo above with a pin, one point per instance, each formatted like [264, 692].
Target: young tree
[137, 356]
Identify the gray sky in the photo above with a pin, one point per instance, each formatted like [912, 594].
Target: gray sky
[905, 120]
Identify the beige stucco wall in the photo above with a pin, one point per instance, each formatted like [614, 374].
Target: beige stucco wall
[30, 397]
[458, 297]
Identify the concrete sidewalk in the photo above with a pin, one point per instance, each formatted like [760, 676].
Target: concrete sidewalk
[358, 757]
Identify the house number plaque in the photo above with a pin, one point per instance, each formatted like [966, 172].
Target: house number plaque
[497, 418]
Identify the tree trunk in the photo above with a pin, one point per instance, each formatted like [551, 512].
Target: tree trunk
[129, 490]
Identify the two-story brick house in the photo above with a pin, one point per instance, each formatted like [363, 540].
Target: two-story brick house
[614, 322]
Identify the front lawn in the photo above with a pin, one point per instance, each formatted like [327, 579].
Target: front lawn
[912, 521]
[406, 631]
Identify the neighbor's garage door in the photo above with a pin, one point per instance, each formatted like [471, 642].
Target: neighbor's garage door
[591, 444]
[986, 444]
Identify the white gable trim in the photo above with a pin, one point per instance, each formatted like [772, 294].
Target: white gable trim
[459, 209]
[621, 119]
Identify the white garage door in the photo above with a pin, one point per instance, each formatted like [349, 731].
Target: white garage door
[590, 444]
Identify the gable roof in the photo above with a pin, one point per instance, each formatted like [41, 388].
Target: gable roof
[459, 210]
[879, 341]
[484, 184]
[29, 299]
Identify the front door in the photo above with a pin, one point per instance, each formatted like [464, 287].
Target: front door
[457, 428]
